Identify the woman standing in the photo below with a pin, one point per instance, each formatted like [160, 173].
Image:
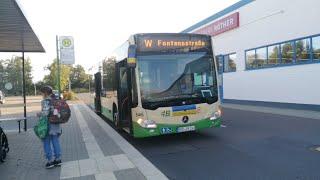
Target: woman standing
[54, 130]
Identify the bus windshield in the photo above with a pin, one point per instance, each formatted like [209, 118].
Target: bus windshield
[177, 79]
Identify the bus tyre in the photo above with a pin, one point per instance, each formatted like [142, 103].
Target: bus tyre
[2, 148]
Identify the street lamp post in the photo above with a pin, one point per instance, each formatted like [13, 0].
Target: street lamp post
[35, 89]
[89, 77]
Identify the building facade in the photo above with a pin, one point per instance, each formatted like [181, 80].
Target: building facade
[268, 51]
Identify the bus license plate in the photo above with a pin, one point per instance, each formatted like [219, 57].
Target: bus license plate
[186, 128]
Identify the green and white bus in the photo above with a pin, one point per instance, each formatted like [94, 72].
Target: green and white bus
[160, 83]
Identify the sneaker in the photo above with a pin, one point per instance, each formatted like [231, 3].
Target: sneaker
[57, 162]
[49, 165]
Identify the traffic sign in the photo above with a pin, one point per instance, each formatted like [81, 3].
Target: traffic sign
[8, 86]
[66, 50]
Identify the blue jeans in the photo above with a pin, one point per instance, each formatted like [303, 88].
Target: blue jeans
[54, 140]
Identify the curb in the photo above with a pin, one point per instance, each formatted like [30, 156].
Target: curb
[278, 111]
[142, 163]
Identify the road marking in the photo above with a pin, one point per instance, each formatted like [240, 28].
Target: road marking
[223, 126]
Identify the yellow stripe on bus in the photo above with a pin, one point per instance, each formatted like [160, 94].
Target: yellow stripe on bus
[183, 113]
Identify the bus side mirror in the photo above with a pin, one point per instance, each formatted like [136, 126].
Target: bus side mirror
[132, 60]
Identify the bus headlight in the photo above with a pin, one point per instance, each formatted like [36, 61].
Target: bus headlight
[216, 115]
[150, 124]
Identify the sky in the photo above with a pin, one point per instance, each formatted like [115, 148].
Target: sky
[100, 26]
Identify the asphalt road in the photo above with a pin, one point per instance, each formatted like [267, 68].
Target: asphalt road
[13, 108]
[252, 146]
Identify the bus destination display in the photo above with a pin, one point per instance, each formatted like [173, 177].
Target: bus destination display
[167, 43]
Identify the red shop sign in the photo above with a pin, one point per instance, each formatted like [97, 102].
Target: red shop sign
[221, 26]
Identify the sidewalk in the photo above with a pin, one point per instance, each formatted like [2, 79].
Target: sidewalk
[91, 150]
[274, 110]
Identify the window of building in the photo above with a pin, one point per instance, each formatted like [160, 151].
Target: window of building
[219, 60]
[226, 63]
[287, 53]
[232, 62]
[293, 52]
[273, 55]
[261, 57]
[316, 48]
[303, 50]
[250, 58]
[229, 63]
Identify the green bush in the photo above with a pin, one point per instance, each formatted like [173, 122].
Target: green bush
[80, 90]
[69, 95]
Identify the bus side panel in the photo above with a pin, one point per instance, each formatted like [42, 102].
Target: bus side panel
[109, 95]
[106, 105]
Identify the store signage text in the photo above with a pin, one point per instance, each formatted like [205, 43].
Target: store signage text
[221, 26]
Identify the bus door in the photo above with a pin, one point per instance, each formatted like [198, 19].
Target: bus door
[124, 108]
[97, 97]
[220, 76]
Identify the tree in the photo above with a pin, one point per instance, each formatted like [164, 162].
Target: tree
[287, 52]
[11, 72]
[2, 74]
[109, 73]
[302, 49]
[273, 55]
[52, 78]
[39, 85]
[79, 78]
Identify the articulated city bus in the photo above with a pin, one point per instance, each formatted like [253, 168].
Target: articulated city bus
[156, 84]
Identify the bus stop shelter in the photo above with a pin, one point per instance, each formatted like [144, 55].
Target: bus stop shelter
[17, 36]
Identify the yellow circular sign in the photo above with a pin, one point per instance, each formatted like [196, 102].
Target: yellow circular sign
[66, 42]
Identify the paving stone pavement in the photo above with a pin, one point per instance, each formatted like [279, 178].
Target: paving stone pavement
[26, 158]
[107, 145]
[91, 149]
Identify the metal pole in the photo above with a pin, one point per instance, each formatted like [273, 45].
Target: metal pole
[35, 89]
[58, 64]
[89, 83]
[102, 75]
[69, 84]
[24, 94]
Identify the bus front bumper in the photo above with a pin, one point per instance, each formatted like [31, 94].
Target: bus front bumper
[163, 129]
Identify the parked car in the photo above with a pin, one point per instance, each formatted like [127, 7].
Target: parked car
[56, 93]
[2, 97]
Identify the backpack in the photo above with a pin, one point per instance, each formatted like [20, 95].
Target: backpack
[41, 128]
[4, 145]
[61, 111]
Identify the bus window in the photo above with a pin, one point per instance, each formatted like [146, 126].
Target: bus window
[123, 79]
